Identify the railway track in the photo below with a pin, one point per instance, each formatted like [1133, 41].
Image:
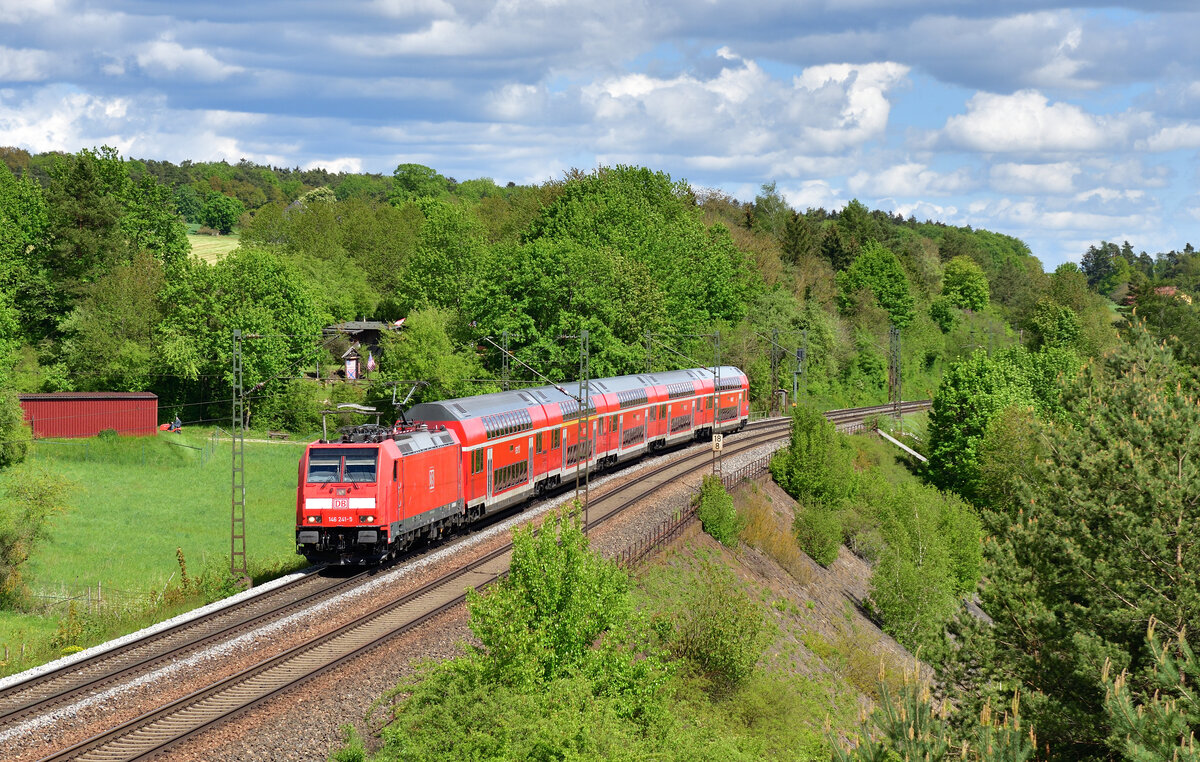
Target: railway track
[152, 733]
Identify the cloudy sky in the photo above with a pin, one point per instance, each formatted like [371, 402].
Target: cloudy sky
[1057, 122]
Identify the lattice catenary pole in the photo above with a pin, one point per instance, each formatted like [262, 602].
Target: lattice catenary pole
[237, 509]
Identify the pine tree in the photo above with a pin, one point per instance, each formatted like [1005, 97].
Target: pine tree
[1108, 542]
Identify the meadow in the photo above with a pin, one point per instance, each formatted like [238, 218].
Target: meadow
[133, 504]
[210, 248]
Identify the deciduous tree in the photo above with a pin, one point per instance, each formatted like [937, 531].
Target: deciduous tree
[964, 284]
[878, 270]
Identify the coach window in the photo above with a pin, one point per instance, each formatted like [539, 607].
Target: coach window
[612, 424]
[555, 439]
[539, 441]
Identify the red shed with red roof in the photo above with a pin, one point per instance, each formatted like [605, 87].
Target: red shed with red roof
[85, 414]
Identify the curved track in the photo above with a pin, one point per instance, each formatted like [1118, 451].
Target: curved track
[154, 732]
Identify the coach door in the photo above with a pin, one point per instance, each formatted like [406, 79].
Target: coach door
[489, 475]
[529, 457]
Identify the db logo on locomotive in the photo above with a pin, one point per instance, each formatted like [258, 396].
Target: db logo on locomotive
[341, 503]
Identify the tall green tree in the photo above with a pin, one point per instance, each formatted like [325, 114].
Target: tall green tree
[221, 212]
[24, 224]
[109, 337]
[930, 560]
[152, 223]
[416, 181]
[85, 209]
[450, 249]
[878, 270]
[251, 289]
[817, 466]
[425, 351]
[964, 284]
[972, 392]
[651, 220]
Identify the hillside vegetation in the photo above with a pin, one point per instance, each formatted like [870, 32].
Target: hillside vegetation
[1061, 440]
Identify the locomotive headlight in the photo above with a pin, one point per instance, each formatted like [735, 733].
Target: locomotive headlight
[314, 519]
[367, 519]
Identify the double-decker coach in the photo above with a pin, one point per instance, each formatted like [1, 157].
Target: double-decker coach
[371, 494]
[518, 444]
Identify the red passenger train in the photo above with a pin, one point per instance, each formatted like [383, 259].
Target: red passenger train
[368, 496]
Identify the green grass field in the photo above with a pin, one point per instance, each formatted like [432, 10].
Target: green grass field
[210, 248]
[134, 501]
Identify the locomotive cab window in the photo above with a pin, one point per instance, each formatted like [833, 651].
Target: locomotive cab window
[352, 465]
[323, 466]
[360, 466]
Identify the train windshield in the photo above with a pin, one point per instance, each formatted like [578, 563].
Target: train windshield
[342, 465]
[323, 466]
[360, 466]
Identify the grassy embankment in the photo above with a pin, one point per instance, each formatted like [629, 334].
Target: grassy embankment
[819, 665]
[132, 503]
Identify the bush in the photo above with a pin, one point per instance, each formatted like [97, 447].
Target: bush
[352, 749]
[819, 532]
[541, 621]
[762, 529]
[14, 432]
[719, 628]
[716, 512]
[931, 557]
[910, 723]
[817, 466]
[31, 497]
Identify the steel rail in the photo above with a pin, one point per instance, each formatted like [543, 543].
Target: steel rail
[155, 731]
[43, 691]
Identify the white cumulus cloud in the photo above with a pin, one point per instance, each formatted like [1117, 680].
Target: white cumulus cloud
[910, 179]
[24, 65]
[1056, 177]
[346, 164]
[1173, 138]
[1026, 121]
[744, 110]
[165, 57]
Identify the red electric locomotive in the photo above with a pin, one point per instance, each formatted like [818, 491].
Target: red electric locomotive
[371, 494]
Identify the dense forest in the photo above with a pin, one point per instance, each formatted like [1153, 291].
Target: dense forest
[99, 292]
[1061, 492]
